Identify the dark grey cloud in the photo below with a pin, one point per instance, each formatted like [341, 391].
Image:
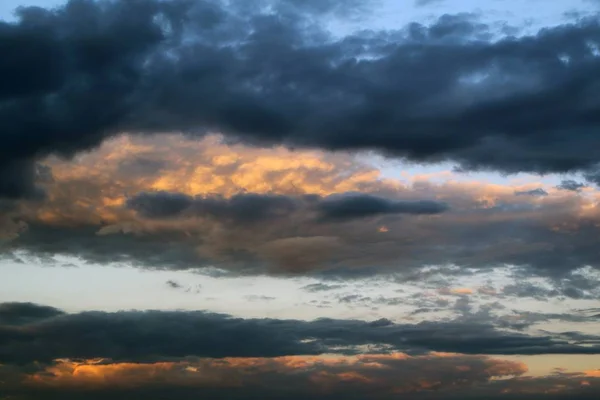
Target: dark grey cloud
[528, 289]
[539, 192]
[192, 341]
[528, 319]
[354, 298]
[321, 287]
[593, 175]
[589, 310]
[174, 285]
[150, 336]
[160, 204]
[571, 185]
[470, 237]
[25, 313]
[17, 180]
[360, 205]
[154, 335]
[238, 209]
[194, 289]
[82, 72]
[573, 285]
[250, 207]
[165, 250]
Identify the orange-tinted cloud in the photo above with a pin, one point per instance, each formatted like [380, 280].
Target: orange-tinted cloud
[435, 376]
[95, 185]
[393, 373]
[486, 225]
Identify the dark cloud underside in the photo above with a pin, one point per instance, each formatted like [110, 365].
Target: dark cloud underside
[246, 208]
[241, 208]
[154, 335]
[347, 207]
[264, 75]
[25, 313]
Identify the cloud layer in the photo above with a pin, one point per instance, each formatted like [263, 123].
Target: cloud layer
[153, 354]
[255, 208]
[272, 74]
[152, 336]
[250, 210]
[239, 140]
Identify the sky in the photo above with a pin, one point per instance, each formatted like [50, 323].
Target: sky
[333, 199]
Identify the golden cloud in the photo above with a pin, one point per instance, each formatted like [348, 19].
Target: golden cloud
[487, 223]
[379, 373]
[94, 186]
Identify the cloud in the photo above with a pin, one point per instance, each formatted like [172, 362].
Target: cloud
[321, 287]
[216, 196]
[173, 284]
[571, 185]
[17, 179]
[301, 254]
[539, 192]
[593, 175]
[253, 208]
[238, 209]
[160, 204]
[579, 284]
[187, 66]
[352, 206]
[434, 376]
[318, 377]
[186, 354]
[152, 336]
[195, 289]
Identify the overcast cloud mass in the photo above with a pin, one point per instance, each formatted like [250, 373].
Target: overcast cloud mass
[326, 199]
[271, 74]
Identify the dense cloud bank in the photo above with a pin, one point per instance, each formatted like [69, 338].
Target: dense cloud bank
[254, 208]
[378, 376]
[269, 74]
[47, 354]
[152, 336]
[270, 78]
[252, 211]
